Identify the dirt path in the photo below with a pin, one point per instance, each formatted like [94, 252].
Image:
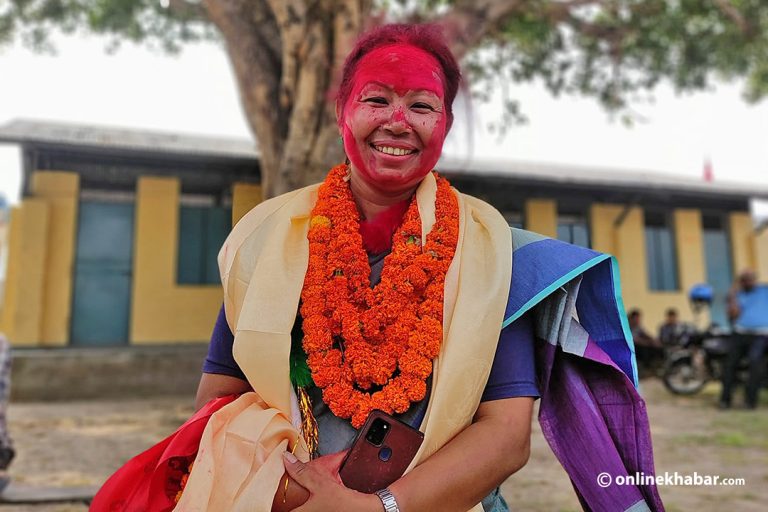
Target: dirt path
[82, 443]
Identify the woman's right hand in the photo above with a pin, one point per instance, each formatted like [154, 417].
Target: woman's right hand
[298, 495]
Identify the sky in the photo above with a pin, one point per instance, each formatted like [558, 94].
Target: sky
[195, 93]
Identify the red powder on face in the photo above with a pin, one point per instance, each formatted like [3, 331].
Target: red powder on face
[402, 69]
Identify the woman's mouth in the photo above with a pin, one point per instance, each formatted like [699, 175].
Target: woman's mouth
[390, 150]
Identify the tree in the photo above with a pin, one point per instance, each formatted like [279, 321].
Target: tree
[286, 54]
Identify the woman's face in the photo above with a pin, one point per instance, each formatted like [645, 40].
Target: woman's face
[394, 121]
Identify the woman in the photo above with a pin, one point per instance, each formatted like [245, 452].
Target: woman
[401, 285]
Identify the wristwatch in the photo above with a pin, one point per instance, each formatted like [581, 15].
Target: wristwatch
[388, 500]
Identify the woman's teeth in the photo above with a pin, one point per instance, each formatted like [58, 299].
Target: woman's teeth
[393, 151]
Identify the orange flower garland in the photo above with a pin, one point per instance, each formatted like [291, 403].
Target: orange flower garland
[373, 348]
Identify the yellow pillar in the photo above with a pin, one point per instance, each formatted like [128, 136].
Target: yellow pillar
[25, 278]
[602, 218]
[742, 241]
[161, 310]
[541, 216]
[761, 254]
[60, 190]
[690, 248]
[629, 240]
[244, 197]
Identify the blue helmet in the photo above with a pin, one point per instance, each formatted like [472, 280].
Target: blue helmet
[701, 293]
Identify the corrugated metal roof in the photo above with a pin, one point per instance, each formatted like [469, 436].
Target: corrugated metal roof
[20, 131]
[601, 176]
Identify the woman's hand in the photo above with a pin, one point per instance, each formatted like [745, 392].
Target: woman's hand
[320, 478]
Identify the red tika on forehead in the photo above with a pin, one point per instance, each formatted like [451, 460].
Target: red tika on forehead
[402, 67]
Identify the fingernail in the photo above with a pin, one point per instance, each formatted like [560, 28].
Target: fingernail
[290, 457]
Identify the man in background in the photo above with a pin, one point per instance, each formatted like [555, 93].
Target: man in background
[748, 311]
[648, 350]
[6, 445]
[669, 332]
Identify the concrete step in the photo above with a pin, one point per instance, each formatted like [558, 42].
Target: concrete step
[27, 494]
[75, 373]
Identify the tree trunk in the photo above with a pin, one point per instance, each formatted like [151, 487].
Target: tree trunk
[286, 55]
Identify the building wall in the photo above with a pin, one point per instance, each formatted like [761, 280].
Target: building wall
[42, 239]
[161, 310]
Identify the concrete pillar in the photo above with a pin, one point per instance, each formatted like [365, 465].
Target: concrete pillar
[60, 190]
[541, 216]
[742, 241]
[25, 279]
[244, 197]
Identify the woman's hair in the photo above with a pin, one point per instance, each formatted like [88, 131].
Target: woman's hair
[428, 37]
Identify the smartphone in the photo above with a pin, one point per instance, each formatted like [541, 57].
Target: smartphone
[380, 454]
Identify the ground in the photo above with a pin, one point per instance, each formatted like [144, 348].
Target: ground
[82, 443]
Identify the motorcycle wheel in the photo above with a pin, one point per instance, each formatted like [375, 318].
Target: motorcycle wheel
[681, 377]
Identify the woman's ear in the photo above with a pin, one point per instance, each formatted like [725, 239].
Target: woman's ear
[338, 115]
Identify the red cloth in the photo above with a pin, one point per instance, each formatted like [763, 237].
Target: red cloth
[149, 481]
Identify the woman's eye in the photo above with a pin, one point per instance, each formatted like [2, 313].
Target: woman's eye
[422, 106]
[378, 100]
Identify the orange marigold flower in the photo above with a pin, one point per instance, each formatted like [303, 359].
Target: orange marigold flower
[397, 324]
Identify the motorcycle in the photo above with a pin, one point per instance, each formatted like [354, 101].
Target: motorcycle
[699, 356]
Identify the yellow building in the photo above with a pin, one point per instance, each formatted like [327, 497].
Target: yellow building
[115, 238]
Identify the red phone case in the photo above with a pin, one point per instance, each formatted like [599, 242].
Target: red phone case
[363, 468]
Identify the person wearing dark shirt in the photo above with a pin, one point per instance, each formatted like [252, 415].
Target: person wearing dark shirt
[647, 348]
[669, 331]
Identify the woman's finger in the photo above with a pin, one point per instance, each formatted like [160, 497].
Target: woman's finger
[302, 473]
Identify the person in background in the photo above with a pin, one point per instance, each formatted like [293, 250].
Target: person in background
[648, 349]
[748, 311]
[6, 445]
[669, 331]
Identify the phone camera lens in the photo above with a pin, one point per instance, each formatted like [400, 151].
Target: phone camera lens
[377, 432]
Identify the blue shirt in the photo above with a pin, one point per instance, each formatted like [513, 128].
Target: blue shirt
[513, 372]
[754, 308]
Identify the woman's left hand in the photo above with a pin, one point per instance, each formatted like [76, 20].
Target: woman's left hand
[326, 490]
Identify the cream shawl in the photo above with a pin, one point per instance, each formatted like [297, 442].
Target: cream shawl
[262, 263]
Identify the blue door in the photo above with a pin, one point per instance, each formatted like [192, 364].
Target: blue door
[717, 254]
[102, 291]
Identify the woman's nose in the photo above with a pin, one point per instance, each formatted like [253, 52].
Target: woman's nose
[397, 123]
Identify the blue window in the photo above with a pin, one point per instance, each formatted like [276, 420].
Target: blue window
[660, 252]
[573, 229]
[202, 231]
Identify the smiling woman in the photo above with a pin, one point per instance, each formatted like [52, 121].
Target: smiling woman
[380, 289]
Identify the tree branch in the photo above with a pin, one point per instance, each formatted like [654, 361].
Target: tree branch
[188, 10]
[471, 20]
[730, 10]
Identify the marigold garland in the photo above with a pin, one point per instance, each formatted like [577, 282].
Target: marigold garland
[372, 348]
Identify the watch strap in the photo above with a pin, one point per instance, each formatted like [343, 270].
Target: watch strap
[388, 500]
